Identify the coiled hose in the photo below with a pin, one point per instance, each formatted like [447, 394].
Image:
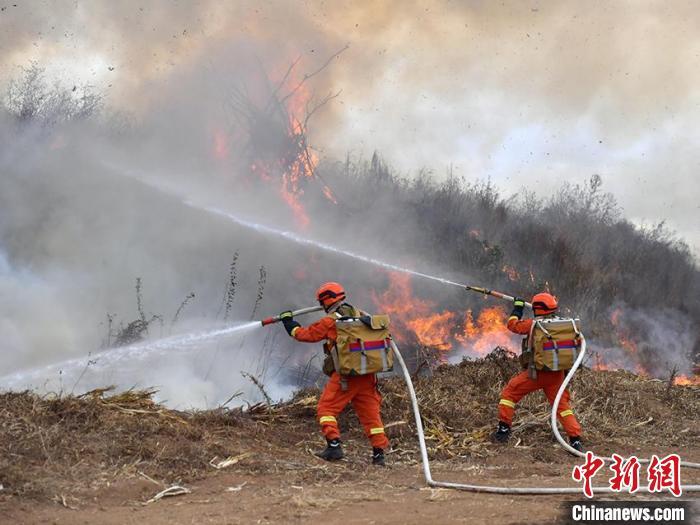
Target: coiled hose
[512, 490]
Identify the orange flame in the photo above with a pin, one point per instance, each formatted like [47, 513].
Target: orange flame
[417, 318]
[290, 194]
[414, 315]
[489, 331]
[627, 344]
[686, 380]
[329, 194]
[599, 364]
[287, 158]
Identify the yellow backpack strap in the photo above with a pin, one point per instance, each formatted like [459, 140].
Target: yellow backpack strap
[333, 348]
[576, 330]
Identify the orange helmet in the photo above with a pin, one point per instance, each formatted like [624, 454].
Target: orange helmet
[330, 293]
[544, 304]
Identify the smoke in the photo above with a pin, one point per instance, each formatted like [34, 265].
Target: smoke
[89, 205]
[525, 94]
[656, 342]
[75, 235]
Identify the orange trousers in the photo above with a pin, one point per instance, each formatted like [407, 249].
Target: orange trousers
[521, 385]
[365, 398]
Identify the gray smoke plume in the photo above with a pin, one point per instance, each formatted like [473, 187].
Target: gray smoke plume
[525, 94]
[654, 342]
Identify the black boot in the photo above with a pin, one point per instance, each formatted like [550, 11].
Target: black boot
[501, 434]
[378, 457]
[333, 451]
[575, 442]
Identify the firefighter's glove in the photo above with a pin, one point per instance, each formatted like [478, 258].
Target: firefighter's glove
[366, 320]
[288, 321]
[518, 307]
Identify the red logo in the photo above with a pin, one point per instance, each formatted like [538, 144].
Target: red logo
[662, 474]
[625, 474]
[665, 474]
[586, 472]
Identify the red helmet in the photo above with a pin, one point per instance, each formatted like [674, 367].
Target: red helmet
[544, 304]
[330, 293]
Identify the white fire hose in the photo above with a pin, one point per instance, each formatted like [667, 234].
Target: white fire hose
[513, 490]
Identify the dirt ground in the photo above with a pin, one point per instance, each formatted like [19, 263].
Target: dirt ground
[296, 487]
[100, 457]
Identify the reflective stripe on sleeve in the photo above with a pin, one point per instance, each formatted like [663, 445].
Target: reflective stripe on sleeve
[378, 430]
[507, 402]
[513, 317]
[294, 330]
[566, 413]
[327, 419]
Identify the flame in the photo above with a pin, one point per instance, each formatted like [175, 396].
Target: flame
[627, 344]
[291, 193]
[489, 331]
[277, 151]
[433, 331]
[413, 316]
[686, 380]
[599, 364]
[302, 161]
[419, 320]
[329, 194]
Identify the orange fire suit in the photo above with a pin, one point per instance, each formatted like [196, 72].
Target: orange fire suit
[361, 391]
[522, 384]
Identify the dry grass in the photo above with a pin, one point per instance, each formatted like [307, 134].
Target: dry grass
[51, 440]
[459, 403]
[50, 444]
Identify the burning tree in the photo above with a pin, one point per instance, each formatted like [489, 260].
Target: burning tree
[276, 145]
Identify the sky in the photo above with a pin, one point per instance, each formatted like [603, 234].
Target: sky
[528, 94]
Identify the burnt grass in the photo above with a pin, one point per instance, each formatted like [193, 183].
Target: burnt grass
[53, 444]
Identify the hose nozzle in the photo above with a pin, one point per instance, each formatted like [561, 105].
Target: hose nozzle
[276, 318]
[477, 289]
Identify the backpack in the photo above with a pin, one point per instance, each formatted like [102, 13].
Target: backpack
[554, 343]
[362, 347]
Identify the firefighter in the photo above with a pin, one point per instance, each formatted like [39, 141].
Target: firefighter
[544, 306]
[360, 390]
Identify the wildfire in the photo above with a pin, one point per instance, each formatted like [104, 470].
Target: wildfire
[415, 318]
[329, 194]
[627, 343]
[291, 193]
[273, 121]
[418, 320]
[299, 165]
[599, 364]
[686, 380]
[488, 331]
